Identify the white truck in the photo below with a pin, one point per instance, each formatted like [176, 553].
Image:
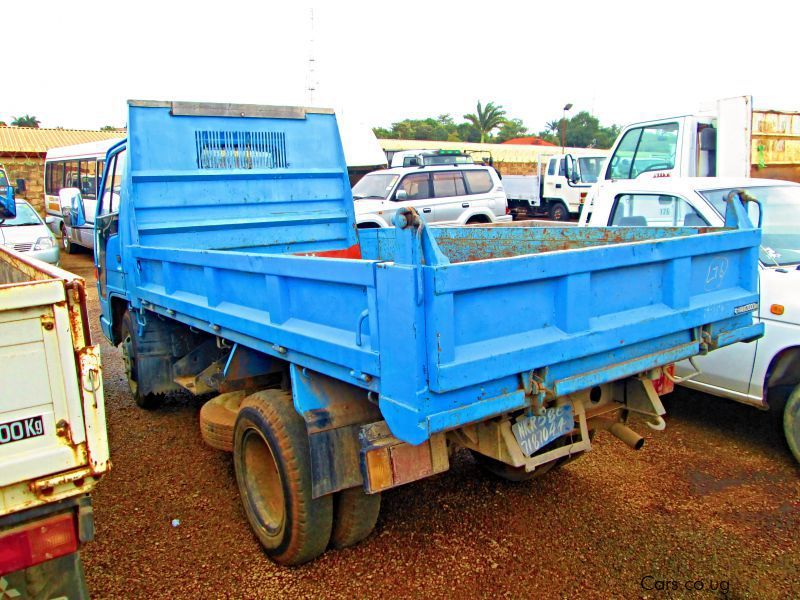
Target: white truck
[730, 139]
[53, 444]
[764, 373]
[552, 192]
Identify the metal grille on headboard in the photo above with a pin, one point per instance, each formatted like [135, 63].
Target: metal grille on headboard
[241, 149]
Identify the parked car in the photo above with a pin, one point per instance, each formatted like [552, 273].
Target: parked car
[28, 233]
[450, 194]
[760, 373]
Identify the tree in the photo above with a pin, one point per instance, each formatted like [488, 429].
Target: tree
[110, 128]
[582, 131]
[26, 121]
[487, 119]
[511, 128]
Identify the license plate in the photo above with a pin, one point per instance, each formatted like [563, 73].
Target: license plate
[533, 433]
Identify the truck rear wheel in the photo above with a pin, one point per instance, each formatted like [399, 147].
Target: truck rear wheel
[355, 515]
[791, 422]
[273, 471]
[130, 360]
[559, 212]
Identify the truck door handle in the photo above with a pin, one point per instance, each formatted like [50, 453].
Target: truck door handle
[426, 210]
[465, 205]
[558, 186]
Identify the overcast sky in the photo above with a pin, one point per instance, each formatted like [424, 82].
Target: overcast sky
[73, 64]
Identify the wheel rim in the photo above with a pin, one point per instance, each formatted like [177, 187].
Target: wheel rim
[263, 482]
[127, 353]
[558, 213]
[64, 239]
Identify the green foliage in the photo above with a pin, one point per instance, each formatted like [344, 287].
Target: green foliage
[582, 131]
[25, 121]
[109, 128]
[511, 128]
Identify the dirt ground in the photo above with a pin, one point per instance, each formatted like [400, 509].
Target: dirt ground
[708, 508]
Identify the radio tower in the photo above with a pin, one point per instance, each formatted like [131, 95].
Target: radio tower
[311, 83]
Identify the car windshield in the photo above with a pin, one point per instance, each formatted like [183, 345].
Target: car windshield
[589, 167]
[780, 230]
[25, 216]
[374, 185]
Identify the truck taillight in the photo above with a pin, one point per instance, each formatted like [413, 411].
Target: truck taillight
[36, 542]
[508, 210]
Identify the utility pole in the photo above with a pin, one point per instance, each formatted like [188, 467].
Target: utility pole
[564, 125]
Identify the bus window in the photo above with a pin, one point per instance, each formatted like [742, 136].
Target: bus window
[88, 178]
[71, 179]
[55, 178]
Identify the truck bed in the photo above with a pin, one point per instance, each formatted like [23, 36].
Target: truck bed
[239, 221]
[576, 307]
[52, 422]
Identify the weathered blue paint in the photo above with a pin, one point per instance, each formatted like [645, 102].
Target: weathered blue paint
[442, 324]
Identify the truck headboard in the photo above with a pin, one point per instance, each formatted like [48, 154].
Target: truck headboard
[254, 178]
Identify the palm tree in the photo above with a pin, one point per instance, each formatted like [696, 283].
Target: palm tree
[26, 121]
[488, 118]
[552, 126]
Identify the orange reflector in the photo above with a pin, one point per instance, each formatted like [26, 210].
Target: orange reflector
[36, 542]
[379, 469]
[776, 309]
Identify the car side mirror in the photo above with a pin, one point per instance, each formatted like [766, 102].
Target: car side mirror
[72, 201]
[401, 195]
[21, 186]
[8, 206]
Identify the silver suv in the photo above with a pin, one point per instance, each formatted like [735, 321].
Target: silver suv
[449, 195]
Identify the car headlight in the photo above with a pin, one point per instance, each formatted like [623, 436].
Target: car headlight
[44, 243]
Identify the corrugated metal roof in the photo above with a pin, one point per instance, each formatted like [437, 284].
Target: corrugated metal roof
[15, 140]
[500, 152]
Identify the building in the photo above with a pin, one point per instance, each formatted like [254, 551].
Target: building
[23, 150]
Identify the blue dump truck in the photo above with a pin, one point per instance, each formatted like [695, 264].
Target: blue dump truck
[348, 362]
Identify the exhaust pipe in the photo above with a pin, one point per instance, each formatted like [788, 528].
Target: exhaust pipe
[632, 439]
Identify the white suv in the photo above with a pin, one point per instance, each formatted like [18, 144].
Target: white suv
[447, 194]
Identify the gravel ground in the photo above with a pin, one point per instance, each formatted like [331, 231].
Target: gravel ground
[713, 501]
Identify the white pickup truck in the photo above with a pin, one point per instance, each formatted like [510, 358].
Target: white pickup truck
[764, 373]
[53, 444]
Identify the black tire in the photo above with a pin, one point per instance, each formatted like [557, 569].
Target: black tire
[66, 244]
[218, 419]
[791, 422]
[355, 515]
[273, 471]
[559, 212]
[130, 360]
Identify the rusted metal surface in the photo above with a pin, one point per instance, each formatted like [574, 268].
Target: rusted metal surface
[508, 240]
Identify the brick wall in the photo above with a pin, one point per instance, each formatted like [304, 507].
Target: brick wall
[31, 169]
